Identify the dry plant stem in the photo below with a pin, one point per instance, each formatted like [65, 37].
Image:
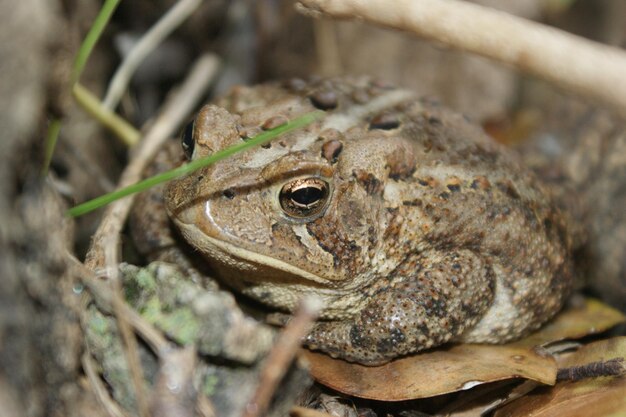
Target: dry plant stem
[122, 129]
[611, 367]
[174, 113]
[582, 66]
[131, 351]
[152, 38]
[326, 44]
[101, 392]
[282, 354]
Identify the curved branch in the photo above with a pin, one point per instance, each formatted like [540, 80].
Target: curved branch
[589, 68]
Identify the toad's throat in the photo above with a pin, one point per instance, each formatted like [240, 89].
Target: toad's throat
[243, 260]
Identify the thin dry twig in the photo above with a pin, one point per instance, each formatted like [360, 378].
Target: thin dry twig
[151, 39]
[131, 352]
[582, 66]
[328, 55]
[611, 367]
[173, 115]
[282, 354]
[100, 391]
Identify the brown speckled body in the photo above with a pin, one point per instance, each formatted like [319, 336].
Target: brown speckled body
[429, 231]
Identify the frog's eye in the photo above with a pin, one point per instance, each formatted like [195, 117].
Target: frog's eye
[304, 197]
[187, 140]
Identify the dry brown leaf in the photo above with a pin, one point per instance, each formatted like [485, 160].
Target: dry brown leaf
[591, 317]
[432, 373]
[598, 397]
[462, 367]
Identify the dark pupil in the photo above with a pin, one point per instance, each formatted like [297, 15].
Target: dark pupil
[188, 142]
[307, 195]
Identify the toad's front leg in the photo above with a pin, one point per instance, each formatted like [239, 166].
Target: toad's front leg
[428, 300]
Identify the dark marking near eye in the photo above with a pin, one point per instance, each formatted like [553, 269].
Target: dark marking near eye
[331, 150]
[369, 181]
[327, 241]
[385, 121]
[444, 195]
[324, 100]
[229, 194]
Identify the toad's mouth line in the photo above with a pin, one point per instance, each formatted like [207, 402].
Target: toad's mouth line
[225, 250]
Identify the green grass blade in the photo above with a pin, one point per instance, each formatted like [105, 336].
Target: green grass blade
[54, 128]
[92, 37]
[194, 165]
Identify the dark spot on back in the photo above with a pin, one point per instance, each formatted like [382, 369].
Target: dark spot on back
[331, 150]
[427, 182]
[385, 121]
[481, 183]
[509, 189]
[324, 100]
[414, 203]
